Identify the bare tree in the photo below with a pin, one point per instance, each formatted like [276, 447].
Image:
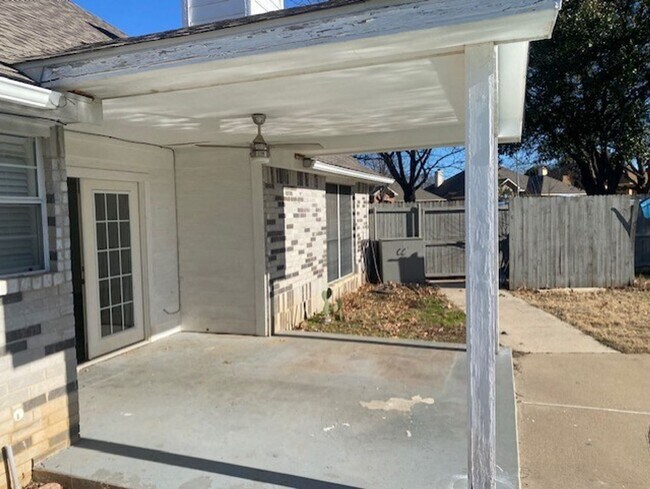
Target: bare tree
[412, 169]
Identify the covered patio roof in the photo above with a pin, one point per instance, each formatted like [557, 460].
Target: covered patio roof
[342, 77]
[346, 76]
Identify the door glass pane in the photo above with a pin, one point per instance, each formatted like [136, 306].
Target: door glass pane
[113, 235]
[123, 207]
[102, 262]
[102, 240]
[126, 261]
[111, 207]
[100, 207]
[105, 319]
[128, 315]
[104, 294]
[112, 215]
[125, 234]
[114, 263]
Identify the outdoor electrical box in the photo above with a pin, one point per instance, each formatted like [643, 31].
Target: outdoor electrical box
[402, 260]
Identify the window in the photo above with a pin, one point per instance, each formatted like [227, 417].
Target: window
[339, 231]
[22, 206]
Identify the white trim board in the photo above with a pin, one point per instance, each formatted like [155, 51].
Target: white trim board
[392, 29]
[126, 349]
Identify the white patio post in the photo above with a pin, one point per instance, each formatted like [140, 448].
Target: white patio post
[259, 249]
[481, 209]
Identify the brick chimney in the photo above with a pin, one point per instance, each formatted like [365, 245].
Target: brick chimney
[566, 178]
[196, 12]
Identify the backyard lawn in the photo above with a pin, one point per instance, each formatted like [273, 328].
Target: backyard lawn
[394, 311]
[618, 318]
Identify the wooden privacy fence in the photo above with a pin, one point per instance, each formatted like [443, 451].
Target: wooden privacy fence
[544, 242]
[440, 224]
[572, 242]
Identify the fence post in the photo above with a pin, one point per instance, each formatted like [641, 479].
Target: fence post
[374, 224]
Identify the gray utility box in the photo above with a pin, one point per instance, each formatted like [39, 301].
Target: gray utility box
[402, 260]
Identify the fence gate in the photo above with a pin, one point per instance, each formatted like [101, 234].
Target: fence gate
[440, 224]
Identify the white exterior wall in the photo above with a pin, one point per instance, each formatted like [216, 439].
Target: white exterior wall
[215, 226]
[296, 244]
[153, 168]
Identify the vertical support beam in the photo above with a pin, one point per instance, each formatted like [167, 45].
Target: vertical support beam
[482, 253]
[259, 250]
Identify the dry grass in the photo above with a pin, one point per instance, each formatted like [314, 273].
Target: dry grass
[618, 318]
[395, 311]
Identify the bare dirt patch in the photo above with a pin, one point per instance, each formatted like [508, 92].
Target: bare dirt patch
[395, 311]
[618, 318]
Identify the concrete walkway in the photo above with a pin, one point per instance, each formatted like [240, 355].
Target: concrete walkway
[525, 328]
[583, 421]
[583, 418]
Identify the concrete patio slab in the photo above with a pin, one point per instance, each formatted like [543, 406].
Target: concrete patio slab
[208, 411]
[525, 328]
[584, 420]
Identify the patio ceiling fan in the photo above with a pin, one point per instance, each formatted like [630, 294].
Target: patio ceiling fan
[259, 148]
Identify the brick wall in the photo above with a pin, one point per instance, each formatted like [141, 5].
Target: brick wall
[38, 382]
[296, 244]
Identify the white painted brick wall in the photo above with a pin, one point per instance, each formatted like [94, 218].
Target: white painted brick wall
[296, 244]
[37, 356]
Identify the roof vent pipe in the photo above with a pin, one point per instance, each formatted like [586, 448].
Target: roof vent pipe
[196, 12]
[439, 178]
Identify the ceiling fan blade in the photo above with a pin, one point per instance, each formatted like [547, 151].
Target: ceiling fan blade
[297, 145]
[232, 146]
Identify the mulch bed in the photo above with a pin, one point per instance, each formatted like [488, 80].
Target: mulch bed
[394, 311]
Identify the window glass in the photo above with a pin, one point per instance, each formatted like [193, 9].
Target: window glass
[340, 232]
[21, 207]
[18, 172]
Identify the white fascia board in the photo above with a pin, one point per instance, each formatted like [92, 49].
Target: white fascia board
[439, 24]
[20, 93]
[512, 67]
[346, 172]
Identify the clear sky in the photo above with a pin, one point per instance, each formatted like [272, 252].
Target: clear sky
[137, 17]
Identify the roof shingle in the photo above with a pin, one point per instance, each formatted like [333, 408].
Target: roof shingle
[31, 28]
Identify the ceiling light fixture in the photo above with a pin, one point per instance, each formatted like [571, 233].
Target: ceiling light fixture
[260, 151]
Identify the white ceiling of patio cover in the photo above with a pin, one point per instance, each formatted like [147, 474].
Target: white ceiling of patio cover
[345, 109]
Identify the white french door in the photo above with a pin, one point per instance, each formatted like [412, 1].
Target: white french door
[112, 265]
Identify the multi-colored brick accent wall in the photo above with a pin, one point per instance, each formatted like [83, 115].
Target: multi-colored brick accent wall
[38, 379]
[296, 244]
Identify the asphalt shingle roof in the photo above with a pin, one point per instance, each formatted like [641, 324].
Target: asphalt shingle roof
[197, 29]
[346, 161]
[31, 28]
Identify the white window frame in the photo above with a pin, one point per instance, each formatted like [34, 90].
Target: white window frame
[40, 200]
[338, 231]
